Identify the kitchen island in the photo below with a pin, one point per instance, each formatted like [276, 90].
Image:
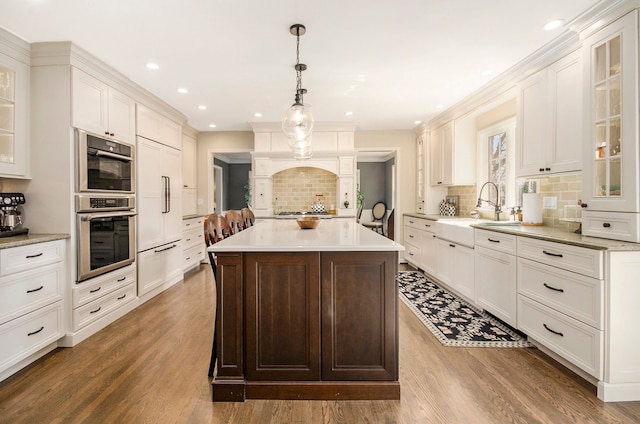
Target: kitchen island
[306, 314]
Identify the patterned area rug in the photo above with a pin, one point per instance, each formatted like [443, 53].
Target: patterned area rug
[452, 320]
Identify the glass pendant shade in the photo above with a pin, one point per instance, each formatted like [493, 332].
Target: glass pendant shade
[297, 123]
[303, 153]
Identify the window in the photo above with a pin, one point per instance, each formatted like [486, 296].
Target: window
[496, 163]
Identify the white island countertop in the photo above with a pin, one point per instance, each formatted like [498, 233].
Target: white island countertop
[284, 235]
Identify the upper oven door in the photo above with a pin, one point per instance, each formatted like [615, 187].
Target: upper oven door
[104, 166]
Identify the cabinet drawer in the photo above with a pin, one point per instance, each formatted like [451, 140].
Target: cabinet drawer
[505, 243]
[584, 261]
[193, 237]
[419, 223]
[576, 342]
[191, 223]
[573, 294]
[611, 225]
[194, 254]
[412, 236]
[95, 288]
[92, 311]
[29, 333]
[412, 254]
[28, 257]
[30, 290]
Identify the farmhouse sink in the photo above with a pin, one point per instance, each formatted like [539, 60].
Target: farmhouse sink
[456, 230]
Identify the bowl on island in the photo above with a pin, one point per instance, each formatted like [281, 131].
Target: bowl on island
[308, 222]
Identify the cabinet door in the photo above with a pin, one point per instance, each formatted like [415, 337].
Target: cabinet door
[611, 152]
[172, 168]
[282, 309]
[429, 251]
[420, 177]
[532, 125]
[435, 157]
[567, 114]
[464, 275]
[122, 116]
[496, 283]
[189, 156]
[446, 262]
[159, 265]
[149, 194]
[262, 193]
[447, 153]
[90, 103]
[359, 326]
[14, 125]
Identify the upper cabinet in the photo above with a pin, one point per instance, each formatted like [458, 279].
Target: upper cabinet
[14, 136]
[101, 109]
[452, 153]
[154, 126]
[611, 145]
[550, 119]
[420, 177]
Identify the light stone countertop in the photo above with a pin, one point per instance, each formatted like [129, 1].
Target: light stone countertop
[558, 235]
[27, 239]
[284, 235]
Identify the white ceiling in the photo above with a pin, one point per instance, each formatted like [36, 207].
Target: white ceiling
[390, 63]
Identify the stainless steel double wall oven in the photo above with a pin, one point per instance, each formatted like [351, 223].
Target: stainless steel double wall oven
[105, 204]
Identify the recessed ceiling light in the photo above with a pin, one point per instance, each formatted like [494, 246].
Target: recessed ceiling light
[257, 115]
[153, 66]
[183, 90]
[553, 24]
[439, 106]
[212, 125]
[486, 73]
[202, 107]
[348, 113]
[417, 122]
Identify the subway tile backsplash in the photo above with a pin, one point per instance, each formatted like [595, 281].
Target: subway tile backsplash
[296, 189]
[566, 188]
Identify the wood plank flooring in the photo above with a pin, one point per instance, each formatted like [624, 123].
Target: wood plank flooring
[151, 367]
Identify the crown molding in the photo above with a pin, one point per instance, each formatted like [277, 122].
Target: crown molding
[14, 47]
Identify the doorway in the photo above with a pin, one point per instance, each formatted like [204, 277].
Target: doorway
[376, 182]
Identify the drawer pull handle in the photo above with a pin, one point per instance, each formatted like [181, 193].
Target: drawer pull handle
[452, 245]
[35, 290]
[410, 254]
[187, 259]
[122, 279]
[95, 290]
[122, 297]
[552, 331]
[553, 288]
[606, 225]
[410, 222]
[35, 332]
[166, 248]
[410, 235]
[34, 256]
[427, 225]
[97, 310]
[493, 241]
[557, 255]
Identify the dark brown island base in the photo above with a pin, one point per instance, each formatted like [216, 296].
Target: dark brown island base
[306, 314]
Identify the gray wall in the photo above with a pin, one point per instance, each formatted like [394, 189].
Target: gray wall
[373, 183]
[234, 177]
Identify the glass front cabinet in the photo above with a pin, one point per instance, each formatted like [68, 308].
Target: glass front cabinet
[14, 83]
[610, 183]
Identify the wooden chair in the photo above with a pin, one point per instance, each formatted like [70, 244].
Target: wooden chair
[216, 228]
[248, 216]
[379, 211]
[235, 220]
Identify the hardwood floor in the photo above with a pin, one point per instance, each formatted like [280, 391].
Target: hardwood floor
[151, 367]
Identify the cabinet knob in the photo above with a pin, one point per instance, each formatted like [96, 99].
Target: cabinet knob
[606, 225]
[547, 169]
[541, 169]
[106, 133]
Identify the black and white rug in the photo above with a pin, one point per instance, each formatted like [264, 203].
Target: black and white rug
[453, 321]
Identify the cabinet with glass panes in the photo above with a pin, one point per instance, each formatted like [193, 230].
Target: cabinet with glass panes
[14, 77]
[611, 165]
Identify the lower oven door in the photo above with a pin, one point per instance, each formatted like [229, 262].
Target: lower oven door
[106, 241]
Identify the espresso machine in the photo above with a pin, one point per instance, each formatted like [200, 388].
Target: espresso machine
[11, 219]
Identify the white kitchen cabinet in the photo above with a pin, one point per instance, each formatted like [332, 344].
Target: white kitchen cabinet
[14, 118]
[495, 266]
[154, 126]
[159, 203]
[32, 289]
[611, 132]
[98, 108]
[456, 266]
[550, 119]
[452, 153]
[420, 244]
[420, 176]
[159, 265]
[429, 249]
[193, 246]
[261, 194]
[189, 177]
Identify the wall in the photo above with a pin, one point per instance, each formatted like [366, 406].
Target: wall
[216, 142]
[296, 189]
[373, 182]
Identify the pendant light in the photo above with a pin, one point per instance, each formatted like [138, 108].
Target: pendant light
[298, 121]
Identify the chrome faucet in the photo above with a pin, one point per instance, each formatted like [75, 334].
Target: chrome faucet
[496, 204]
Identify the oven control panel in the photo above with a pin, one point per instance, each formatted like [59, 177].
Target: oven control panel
[88, 203]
